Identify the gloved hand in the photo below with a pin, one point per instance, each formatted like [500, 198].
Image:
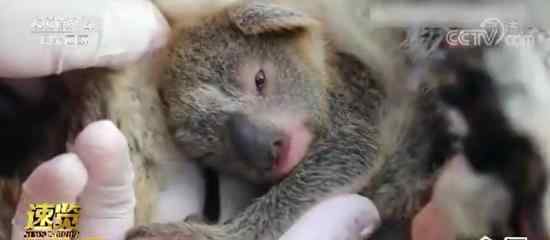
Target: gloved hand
[99, 174]
[43, 38]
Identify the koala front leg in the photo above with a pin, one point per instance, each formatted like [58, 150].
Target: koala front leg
[332, 167]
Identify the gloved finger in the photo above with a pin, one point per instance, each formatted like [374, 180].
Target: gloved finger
[342, 217]
[108, 201]
[43, 39]
[65, 178]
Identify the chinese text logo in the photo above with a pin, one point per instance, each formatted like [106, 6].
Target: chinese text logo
[52, 221]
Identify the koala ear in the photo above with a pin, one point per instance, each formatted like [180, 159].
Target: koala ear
[258, 17]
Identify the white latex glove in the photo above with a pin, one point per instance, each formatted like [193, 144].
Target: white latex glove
[120, 31]
[99, 174]
[351, 217]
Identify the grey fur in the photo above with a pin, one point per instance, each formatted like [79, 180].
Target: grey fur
[364, 143]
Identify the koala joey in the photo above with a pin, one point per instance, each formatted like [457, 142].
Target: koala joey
[262, 78]
[259, 91]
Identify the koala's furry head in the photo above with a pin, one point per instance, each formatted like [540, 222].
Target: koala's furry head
[256, 62]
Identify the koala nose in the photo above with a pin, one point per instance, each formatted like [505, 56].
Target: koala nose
[258, 144]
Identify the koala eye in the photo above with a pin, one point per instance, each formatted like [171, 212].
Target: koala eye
[260, 80]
